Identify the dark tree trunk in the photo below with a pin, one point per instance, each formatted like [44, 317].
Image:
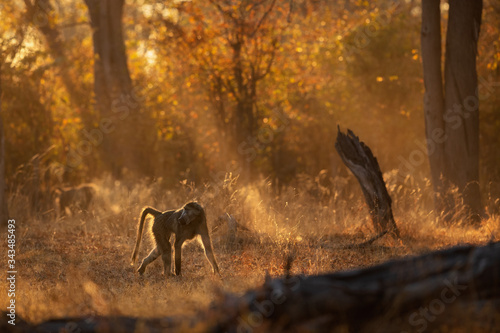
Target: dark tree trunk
[359, 159]
[433, 98]
[126, 144]
[457, 289]
[244, 125]
[240, 122]
[43, 16]
[452, 117]
[462, 103]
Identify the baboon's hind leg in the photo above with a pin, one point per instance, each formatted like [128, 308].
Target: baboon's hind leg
[155, 253]
[209, 253]
[165, 249]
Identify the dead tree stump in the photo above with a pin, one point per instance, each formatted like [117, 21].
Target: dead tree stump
[358, 157]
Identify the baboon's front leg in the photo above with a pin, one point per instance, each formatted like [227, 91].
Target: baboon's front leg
[178, 254]
[167, 260]
[209, 253]
[149, 259]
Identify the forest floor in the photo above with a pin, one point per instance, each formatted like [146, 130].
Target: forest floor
[80, 265]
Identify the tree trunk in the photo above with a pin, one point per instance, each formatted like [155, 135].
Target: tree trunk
[462, 103]
[44, 17]
[117, 101]
[360, 160]
[452, 135]
[244, 124]
[433, 98]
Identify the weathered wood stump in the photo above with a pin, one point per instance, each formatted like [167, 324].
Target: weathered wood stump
[358, 157]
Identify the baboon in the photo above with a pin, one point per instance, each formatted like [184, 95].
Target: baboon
[185, 223]
[78, 197]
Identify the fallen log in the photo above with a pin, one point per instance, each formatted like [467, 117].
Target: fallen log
[358, 157]
[452, 289]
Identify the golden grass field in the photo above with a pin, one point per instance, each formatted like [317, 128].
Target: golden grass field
[80, 265]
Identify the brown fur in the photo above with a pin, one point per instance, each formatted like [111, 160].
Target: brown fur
[185, 223]
[76, 198]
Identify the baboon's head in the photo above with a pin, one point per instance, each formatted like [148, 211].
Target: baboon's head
[190, 212]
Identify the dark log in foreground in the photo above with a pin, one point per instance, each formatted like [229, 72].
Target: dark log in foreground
[359, 159]
[457, 288]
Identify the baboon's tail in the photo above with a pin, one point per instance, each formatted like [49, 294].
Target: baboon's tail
[145, 212]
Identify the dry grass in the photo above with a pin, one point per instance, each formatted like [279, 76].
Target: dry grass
[80, 265]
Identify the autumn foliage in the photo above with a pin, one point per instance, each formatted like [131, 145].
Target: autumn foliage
[255, 88]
